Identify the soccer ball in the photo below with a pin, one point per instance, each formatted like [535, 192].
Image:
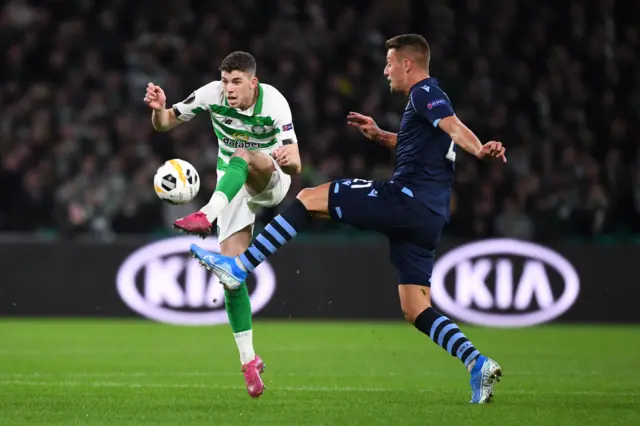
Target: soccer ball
[176, 182]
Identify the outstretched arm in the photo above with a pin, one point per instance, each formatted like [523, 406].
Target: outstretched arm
[165, 119]
[462, 136]
[431, 103]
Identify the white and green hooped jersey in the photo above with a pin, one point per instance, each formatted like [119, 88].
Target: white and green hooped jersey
[264, 126]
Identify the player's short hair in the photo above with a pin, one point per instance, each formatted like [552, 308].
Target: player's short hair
[412, 44]
[239, 61]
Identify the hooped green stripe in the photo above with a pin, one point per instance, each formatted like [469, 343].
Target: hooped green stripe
[246, 119]
[221, 138]
[230, 131]
[226, 152]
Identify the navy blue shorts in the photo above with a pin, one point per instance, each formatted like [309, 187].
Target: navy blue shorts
[412, 228]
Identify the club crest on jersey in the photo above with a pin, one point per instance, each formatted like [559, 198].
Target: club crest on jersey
[435, 103]
[258, 130]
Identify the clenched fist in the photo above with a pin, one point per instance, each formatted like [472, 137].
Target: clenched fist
[493, 149]
[155, 97]
[283, 157]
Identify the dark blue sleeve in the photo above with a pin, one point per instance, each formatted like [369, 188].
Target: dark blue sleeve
[431, 103]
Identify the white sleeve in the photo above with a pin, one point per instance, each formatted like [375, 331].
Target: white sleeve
[196, 102]
[284, 123]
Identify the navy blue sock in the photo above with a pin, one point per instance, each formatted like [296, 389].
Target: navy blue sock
[277, 233]
[446, 334]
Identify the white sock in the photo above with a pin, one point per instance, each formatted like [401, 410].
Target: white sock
[244, 340]
[216, 204]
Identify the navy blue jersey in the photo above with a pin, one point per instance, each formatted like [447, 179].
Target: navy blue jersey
[425, 155]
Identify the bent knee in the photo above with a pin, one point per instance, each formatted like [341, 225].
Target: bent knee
[242, 153]
[257, 162]
[305, 195]
[316, 200]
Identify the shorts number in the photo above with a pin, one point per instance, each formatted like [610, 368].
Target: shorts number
[451, 154]
[360, 183]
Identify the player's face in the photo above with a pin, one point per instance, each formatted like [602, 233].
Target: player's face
[239, 88]
[395, 71]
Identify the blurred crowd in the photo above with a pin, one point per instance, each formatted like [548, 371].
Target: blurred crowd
[557, 81]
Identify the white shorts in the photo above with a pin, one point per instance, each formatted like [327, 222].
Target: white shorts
[240, 212]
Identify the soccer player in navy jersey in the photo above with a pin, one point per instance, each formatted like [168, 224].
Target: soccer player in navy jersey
[411, 208]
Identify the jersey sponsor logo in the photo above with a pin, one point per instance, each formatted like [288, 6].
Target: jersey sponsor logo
[240, 137]
[436, 103]
[504, 283]
[287, 127]
[234, 143]
[161, 282]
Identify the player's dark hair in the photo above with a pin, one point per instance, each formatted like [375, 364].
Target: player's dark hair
[413, 44]
[239, 61]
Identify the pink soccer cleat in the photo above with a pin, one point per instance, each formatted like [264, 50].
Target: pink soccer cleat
[195, 224]
[252, 371]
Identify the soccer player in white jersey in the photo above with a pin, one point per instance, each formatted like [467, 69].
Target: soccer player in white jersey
[258, 151]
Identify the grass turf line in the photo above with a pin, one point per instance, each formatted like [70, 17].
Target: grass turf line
[110, 372]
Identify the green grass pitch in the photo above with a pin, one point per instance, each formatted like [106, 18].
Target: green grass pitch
[107, 372]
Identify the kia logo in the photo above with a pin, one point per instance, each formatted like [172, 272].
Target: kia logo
[504, 283]
[160, 281]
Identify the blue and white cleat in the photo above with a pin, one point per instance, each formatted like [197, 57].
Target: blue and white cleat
[228, 272]
[484, 374]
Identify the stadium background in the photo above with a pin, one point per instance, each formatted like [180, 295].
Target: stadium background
[557, 82]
